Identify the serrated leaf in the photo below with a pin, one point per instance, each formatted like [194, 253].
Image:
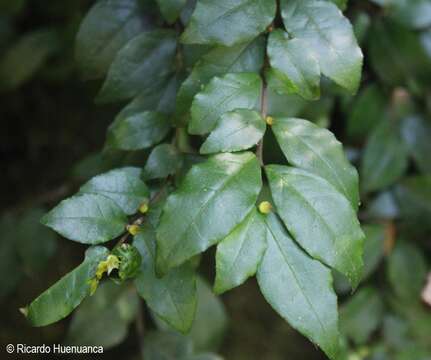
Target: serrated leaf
[315, 149]
[246, 57]
[294, 69]
[123, 186]
[172, 297]
[299, 288]
[87, 218]
[239, 254]
[106, 28]
[385, 157]
[228, 22]
[213, 198]
[235, 131]
[164, 160]
[362, 315]
[66, 294]
[143, 63]
[135, 129]
[223, 94]
[319, 218]
[407, 271]
[103, 319]
[329, 35]
[416, 134]
[171, 9]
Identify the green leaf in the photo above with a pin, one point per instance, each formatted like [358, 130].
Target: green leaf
[143, 63]
[210, 310]
[415, 14]
[164, 160]
[319, 218]
[66, 294]
[407, 271]
[416, 133]
[235, 131]
[329, 35]
[414, 199]
[166, 345]
[315, 149]
[135, 129]
[213, 198]
[106, 28]
[228, 22]
[123, 186]
[246, 57]
[25, 57]
[397, 56]
[171, 9]
[103, 319]
[362, 315]
[239, 254]
[299, 288]
[294, 69]
[35, 243]
[87, 218]
[172, 297]
[223, 94]
[367, 111]
[385, 157]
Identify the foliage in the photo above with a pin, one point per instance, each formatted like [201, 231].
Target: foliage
[231, 107]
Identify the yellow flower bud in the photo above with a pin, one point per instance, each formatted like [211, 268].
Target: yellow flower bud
[133, 229]
[94, 283]
[144, 208]
[265, 207]
[269, 120]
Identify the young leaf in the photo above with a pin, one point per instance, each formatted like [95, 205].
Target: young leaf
[87, 218]
[223, 94]
[299, 288]
[239, 254]
[135, 129]
[330, 37]
[320, 219]
[163, 161]
[228, 22]
[385, 157]
[315, 149]
[107, 27]
[235, 131]
[144, 62]
[362, 315]
[294, 69]
[66, 294]
[123, 186]
[103, 319]
[171, 9]
[213, 198]
[246, 57]
[172, 297]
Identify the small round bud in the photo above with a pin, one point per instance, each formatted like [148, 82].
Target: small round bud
[269, 120]
[265, 207]
[133, 229]
[143, 209]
